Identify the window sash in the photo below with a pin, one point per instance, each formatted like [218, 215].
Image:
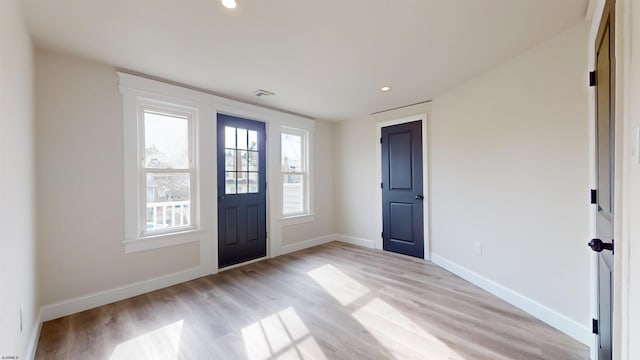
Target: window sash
[144, 203]
[305, 194]
[303, 147]
[166, 111]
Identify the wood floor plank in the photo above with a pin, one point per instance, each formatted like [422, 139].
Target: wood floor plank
[334, 301]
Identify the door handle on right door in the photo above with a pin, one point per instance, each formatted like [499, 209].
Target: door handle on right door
[598, 245]
[419, 197]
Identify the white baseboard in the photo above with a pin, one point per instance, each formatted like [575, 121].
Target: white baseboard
[35, 336]
[286, 249]
[356, 241]
[86, 302]
[566, 325]
[82, 303]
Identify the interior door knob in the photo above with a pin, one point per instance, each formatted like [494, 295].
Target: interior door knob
[598, 245]
[419, 197]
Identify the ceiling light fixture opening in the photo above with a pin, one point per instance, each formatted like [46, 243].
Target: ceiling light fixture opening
[385, 88]
[230, 4]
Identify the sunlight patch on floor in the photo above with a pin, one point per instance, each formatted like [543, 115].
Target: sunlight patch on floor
[400, 335]
[281, 335]
[161, 344]
[338, 284]
[393, 330]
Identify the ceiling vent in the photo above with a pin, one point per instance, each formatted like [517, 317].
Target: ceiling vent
[261, 92]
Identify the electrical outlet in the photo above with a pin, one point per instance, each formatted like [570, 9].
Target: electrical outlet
[478, 248]
[635, 144]
[21, 311]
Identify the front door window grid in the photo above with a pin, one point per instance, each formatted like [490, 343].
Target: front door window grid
[241, 161]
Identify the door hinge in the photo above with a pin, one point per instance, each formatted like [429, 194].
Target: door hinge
[266, 235]
[382, 235]
[381, 185]
[613, 247]
[594, 326]
[380, 140]
[594, 196]
[592, 78]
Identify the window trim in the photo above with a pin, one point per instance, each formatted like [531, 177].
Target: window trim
[136, 98]
[306, 215]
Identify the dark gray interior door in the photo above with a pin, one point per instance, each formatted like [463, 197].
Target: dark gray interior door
[242, 220]
[402, 196]
[605, 145]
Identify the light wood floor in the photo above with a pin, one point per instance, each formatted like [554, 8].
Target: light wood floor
[335, 301]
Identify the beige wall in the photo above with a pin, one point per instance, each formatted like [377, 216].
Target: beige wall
[18, 274]
[355, 175]
[509, 168]
[323, 185]
[80, 185]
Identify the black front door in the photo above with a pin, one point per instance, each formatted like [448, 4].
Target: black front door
[242, 219]
[605, 145]
[402, 196]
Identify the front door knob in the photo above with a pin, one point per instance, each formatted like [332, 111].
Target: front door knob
[598, 245]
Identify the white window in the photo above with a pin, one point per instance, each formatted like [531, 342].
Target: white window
[167, 170]
[294, 145]
[162, 148]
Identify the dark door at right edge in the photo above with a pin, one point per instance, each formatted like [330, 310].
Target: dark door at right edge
[402, 196]
[605, 145]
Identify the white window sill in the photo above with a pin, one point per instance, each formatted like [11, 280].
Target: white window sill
[297, 219]
[161, 240]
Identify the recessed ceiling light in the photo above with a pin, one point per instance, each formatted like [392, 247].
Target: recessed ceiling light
[385, 88]
[261, 92]
[231, 4]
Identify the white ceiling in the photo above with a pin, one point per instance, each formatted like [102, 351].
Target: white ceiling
[325, 59]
